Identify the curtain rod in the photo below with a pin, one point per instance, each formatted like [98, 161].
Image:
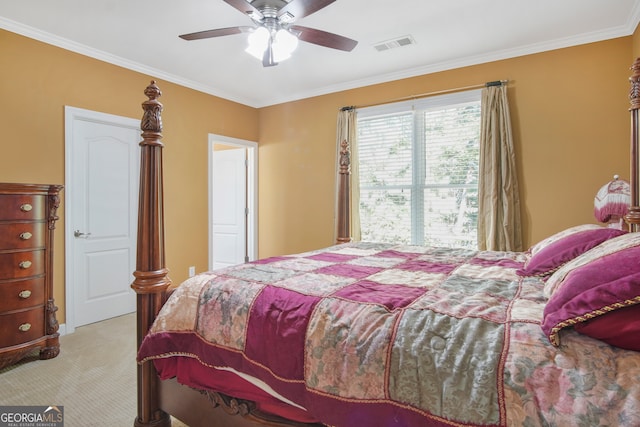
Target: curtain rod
[424, 95]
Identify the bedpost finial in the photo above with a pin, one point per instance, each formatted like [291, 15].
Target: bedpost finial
[153, 91]
[345, 157]
[634, 92]
[152, 120]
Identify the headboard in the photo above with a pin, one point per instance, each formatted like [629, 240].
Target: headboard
[633, 217]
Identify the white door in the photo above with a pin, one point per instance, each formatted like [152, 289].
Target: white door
[229, 207]
[101, 204]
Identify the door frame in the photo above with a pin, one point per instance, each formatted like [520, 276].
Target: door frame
[71, 115]
[252, 191]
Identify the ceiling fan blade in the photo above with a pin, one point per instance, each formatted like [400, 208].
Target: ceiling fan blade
[323, 38]
[246, 8]
[215, 33]
[301, 8]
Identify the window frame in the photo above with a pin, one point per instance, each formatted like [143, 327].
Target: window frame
[434, 102]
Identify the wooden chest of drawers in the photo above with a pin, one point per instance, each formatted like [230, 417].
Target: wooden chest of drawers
[27, 310]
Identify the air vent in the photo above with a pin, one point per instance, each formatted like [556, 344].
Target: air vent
[392, 44]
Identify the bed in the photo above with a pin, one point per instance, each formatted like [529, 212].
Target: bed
[370, 334]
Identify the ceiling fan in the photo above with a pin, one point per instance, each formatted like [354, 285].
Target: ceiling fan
[274, 37]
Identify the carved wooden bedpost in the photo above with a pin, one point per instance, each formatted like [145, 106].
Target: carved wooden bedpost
[633, 217]
[344, 194]
[151, 280]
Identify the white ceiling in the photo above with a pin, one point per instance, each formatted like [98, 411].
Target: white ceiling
[143, 35]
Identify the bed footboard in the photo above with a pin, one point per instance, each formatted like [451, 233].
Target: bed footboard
[156, 398]
[211, 409]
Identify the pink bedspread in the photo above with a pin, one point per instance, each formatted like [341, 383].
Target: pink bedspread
[378, 335]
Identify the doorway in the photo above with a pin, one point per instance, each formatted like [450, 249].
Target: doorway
[233, 201]
[101, 192]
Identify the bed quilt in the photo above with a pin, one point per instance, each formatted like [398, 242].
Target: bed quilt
[364, 334]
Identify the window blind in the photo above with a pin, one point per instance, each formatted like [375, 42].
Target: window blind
[419, 171]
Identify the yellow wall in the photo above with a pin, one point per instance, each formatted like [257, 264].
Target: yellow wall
[635, 44]
[570, 125]
[569, 114]
[36, 82]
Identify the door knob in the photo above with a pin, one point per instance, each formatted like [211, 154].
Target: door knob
[77, 233]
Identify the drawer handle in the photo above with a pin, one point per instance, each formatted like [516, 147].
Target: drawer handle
[26, 207]
[25, 294]
[25, 327]
[25, 264]
[26, 235]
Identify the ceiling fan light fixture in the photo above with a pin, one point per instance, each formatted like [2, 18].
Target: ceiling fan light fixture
[274, 38]
[258, 42]
[284, 45]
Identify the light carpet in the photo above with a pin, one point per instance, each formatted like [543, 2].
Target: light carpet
[93, 377]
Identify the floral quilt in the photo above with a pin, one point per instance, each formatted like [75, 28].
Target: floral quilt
[366, 334]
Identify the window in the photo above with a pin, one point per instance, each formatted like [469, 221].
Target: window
[419, 171]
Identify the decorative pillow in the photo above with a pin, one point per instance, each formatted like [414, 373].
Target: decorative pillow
[561, 234]
[620, 328]
[558, 250]
[593, 286]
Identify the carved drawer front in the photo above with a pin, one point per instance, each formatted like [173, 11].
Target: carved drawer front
[22, 207]
[22, 235]
[20, 294]
[21, 264]
[20, 327]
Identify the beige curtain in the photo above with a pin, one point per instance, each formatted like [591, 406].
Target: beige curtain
[499, 226]
[346, 131]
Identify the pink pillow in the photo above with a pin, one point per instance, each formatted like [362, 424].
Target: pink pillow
[597, 286]
[561, 234]
[620, 328]
[548, 259]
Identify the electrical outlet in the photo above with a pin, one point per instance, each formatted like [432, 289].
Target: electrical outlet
[192, 271]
